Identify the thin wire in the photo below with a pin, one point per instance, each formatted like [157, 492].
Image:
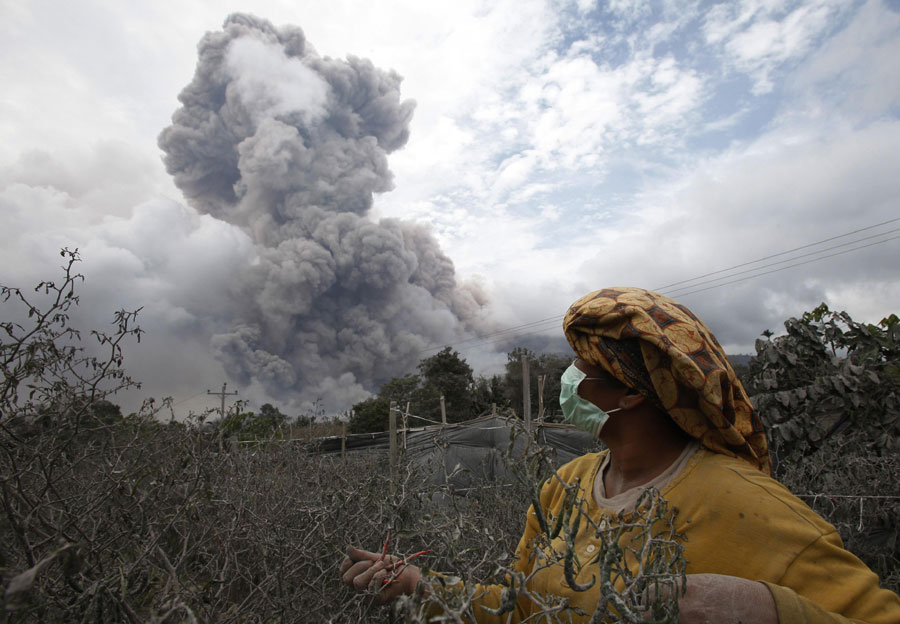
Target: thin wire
[791, 266]
[422, 418]
[737, 266]
[812, 253]
[691, 292]
[493, 342]
[187, 399]
[824, 495]
[499, 332]
[479, 341]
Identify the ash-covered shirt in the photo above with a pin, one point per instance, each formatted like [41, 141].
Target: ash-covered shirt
[625, 501]
[736, 520]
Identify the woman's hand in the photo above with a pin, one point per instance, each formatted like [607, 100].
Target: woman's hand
[367, 571]
[726, 600]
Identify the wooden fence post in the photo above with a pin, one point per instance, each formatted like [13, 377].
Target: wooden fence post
[343, 441]
[392, 441]
[542, 379]
[405, 424]
[526, 393]
[443, 411]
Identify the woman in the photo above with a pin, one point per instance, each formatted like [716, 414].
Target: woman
[654, 384]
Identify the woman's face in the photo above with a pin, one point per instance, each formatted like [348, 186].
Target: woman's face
[599, 387]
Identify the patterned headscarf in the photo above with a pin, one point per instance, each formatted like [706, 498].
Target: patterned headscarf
[659, 348]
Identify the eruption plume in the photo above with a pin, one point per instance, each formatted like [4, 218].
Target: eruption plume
[290, 147]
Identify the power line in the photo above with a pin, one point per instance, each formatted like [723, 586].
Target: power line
[765, 266]
[738, 266]
[497, 333]
[531, 333]
[840, 253]
[188, 399]
[480, 341]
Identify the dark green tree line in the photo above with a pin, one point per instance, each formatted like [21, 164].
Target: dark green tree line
[447, 374]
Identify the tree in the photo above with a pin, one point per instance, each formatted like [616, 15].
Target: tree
[369, 416]
[313, 413]
[47, 373]
[487, 392]
[827, 375]
[106, 412]
[445, 373]
[254, 426]
[400, 389]
[551, 365]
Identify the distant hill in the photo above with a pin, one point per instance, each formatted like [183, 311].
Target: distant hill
[741, 359]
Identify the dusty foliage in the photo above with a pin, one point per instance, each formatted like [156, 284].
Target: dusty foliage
[641, 592]
[109, 518]
[829, 390]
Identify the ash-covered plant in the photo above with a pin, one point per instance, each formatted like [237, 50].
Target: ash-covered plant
[49, 378]
[55, 423]
[829, 393]
[828, 375]
[639, 567]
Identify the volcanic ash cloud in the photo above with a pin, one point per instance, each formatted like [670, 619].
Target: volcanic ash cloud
[290, 147]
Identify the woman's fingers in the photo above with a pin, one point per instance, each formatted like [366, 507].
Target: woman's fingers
[385, 576]
[354, 557]
[367, 575]
[358, 554]
[378, 578]
[359, 574]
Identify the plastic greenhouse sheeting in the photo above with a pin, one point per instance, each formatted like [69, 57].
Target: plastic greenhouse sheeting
[471, 452]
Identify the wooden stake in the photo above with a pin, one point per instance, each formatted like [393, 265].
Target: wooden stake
[443, 411]
[405, 424]
[392, 440]
[542, 379]
[526, 393]
[343, 441]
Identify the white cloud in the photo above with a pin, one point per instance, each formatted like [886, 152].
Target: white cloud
[547, 163]
[766, 198]
[157, 255]
[628, 8]
[761, 36]
[853, 71]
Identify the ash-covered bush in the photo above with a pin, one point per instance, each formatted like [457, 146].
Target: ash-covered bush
[829, 392]
[112, 518]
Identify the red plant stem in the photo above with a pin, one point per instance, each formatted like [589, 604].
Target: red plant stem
[414, 555]
[397, 569]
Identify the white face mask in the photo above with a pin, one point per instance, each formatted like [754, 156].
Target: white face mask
[577, 410]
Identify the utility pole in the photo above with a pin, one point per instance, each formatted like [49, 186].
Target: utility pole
[222, 394]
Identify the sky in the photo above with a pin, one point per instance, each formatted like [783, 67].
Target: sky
[345, 187]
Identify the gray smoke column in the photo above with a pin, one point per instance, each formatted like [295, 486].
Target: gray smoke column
[291, 147]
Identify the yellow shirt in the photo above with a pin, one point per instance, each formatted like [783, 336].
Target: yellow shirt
[737, 521]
